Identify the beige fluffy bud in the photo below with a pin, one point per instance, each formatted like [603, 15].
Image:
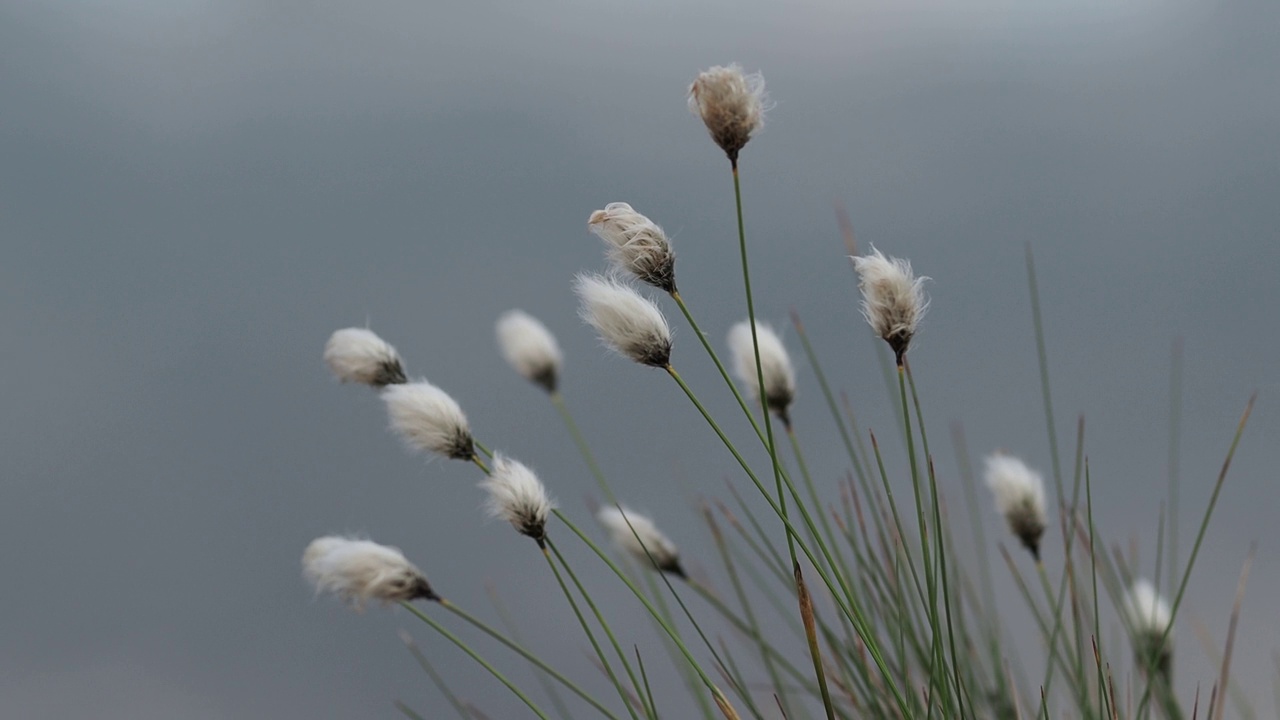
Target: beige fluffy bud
[636, 244]
[731, 105]
[893, 300]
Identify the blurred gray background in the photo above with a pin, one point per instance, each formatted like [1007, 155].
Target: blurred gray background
[193, 195]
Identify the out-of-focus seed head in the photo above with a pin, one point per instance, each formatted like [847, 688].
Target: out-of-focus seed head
[1149, 617]
[361, 570]
[640, 538]
[775, 366]
[530, 348]
[1019, 493]
[359, 355]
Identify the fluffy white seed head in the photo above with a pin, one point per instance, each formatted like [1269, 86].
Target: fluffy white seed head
[775, 363]
[518, 496]
[893, 300]
[731, 104]
[429, 420]
[1148, 613]
[361, 570]
[1149, 617]
[530, 348]
[636, 244]
[1019, 493]
[628, 323]
[359, 355]
[638, 536]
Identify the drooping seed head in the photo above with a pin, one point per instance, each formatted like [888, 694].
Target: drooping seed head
[636, 244]
[359, 355]
[530, 348]
[893, 300]
[1019, 494]
[361, 570]
[628, 323]
[731, 104]
[775, 365]
[518, 496]
[1149, 617]
[429, 420]
[635, 534]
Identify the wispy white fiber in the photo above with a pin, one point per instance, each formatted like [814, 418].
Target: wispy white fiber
[731, 104]
[359, 355]
[518, 496]
[530, 348]
[429, 420]
[893, 300]
[775, 363]
[628, 323]
[638, 536]
[636, 244]
[1019, 494]
[359, 570]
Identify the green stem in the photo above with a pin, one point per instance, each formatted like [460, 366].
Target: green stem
[586, 628]
[583, 448]
[519, 650]
[475, 656]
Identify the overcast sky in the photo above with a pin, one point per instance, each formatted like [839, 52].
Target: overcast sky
[195, 193]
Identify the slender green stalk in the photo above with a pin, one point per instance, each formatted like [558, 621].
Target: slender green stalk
[444, 632]
[522, 652]
[583, 448]
[675, 637]
[746, 696]
[849, 607]
[1195, 546]
[408, 711]
[586, 628]
[753, 626]
[432, 673]
[648, 691]
[514, 632]
[1175, 463]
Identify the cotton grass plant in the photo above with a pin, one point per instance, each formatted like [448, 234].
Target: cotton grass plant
[894, 621]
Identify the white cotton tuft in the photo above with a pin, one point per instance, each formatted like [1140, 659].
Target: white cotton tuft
[518, 496]
[428, 419]
[530, 348]
[359, 355]
[361, 570]
[1019, 493]
[1148, 613]
[1149, 617]
[635, 533]
[893, 300]
[775, 364]
[731, 104]
[636, 244]
[628, 323]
